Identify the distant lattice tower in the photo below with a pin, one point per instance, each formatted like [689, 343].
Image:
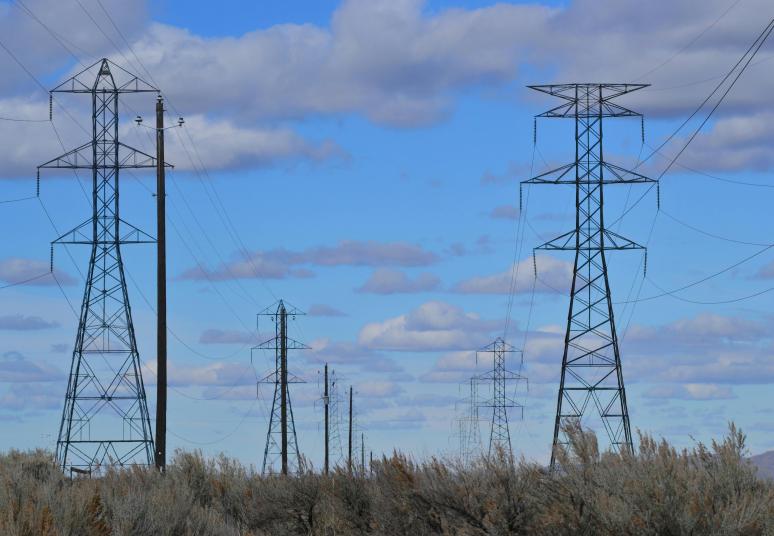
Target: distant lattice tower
[591, 363]
[105, 418]
[498, 377]
[281, 439]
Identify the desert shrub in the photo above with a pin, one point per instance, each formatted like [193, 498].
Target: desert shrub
[660, 490]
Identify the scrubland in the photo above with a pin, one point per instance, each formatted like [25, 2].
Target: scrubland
[661, 491]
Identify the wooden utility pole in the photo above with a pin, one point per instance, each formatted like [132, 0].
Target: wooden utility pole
[161, 293]
[349, 457]
[326, 401]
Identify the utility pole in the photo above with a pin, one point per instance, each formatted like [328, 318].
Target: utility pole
[349, 456]
[326, 402]
[281, 421]
[105, 419]
[591, 363]
[161, 292]
[501, 402]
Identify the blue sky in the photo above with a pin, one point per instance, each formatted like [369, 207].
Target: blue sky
[368, 155]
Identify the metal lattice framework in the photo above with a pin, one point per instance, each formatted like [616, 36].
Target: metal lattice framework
[281, 439]
[105, 418]
[469, 424]
[591, 364]
[501, 402]
[335, 441]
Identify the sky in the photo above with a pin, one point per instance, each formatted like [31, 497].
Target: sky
[361, 160]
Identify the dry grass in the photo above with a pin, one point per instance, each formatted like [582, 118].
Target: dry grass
[660, 491]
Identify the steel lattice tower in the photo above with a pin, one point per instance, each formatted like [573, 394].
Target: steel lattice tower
[105, 418]
[498, 377]
[337, 447]
[591, 364]
[281, 440]
[469, 424]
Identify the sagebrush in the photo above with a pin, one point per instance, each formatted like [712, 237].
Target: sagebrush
[660, 491]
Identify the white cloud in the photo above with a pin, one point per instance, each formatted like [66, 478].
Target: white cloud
[430, 327]
[16, 270]
[16, 368]
[387, 281]
[282, 263]
[691, 391]
[554, 275]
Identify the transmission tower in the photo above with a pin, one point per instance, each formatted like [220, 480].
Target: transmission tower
[105, 418]
[591, 364]
[498, 377]
[469, 429]
[281, 440]
[336, 445]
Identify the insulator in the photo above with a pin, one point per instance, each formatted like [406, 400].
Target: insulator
[534, 131]
[534, 263]
[50, 107]
[658, 195]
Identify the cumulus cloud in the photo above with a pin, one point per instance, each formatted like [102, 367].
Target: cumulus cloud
[225, 336]
[691, 391]
[25, 323]
[212, 374]
[17, 270]
[505, 212]
[320, 309]
[432, 326]
[554, 275]
[387, 281]
[282, 263]
[385, 59]
[223, 145]
[16, 368]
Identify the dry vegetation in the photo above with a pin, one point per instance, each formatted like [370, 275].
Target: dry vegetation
[706, 490]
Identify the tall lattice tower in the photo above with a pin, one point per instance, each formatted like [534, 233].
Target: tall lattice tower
[105, 418]
[501, 402]
[281, 440]
[591, 364]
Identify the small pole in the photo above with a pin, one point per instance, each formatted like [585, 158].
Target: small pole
[349, 457]
[326, 401]
[283, 318]
[161, 293]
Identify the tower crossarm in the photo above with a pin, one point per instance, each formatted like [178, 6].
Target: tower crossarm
[611, 241]
[83, 158]
[104, 75]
